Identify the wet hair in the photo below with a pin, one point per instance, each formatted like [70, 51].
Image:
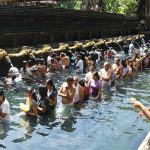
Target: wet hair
[50, 82]
[31, 90]
[82, 82]
[78, 55]
[69, 78]
[2, 94]
[93, 65]
[96, 74]
[123, 63]
[117, 58]
[42, 91]
[52, 60]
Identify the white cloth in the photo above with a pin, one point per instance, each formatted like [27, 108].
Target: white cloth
[26, 74]
[13, 71]
[88, 76]
[104, 74]
[80, 65]
[131, 49]
[49, 60]
[5, 108]
[76, 97]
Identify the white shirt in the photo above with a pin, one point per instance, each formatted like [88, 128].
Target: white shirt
[104, 74]
[80, 65]
[26, 74]
[131, 47]
[76, 97]
[49, 59]
[5, 108]
[88, 76]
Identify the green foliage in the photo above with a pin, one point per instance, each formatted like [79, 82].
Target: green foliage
[127, 7]
[70, 4]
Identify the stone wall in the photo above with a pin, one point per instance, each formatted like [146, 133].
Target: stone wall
[31, 25]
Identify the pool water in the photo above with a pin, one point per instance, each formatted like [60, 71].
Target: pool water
[110, 124]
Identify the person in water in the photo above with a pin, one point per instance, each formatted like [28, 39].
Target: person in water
[4, 108]
[31, 102]
[25, 71]
[85, 89]
[79, 95]
[67, 91]
[51, 93]
[143, 110]
[106, 75]
[43, 105]
[95, 86]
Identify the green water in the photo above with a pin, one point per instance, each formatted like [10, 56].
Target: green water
[112, 124]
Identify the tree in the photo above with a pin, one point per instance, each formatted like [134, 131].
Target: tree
[127, 7]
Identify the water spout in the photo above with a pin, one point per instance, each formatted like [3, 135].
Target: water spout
[120, 47]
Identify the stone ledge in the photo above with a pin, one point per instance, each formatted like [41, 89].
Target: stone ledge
[146, 143]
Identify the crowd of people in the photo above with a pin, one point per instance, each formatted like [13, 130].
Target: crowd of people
[74, 90]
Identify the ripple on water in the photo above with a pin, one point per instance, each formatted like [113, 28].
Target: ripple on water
[112, 121]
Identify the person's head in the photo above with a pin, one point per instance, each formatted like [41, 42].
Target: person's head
[50, 53]
[37, 61]
[75, 80]
[52, 60]
[92, 68]
[31, 93]
[30, 63]
[123, 63]
[106, 65]
[78, 56]
[117, 61]
[70, 81]
[130, 62]
[2, 96]
[42, 61]
[95, 76]
[25, 64]
[42, 91]
[50, 85]
[62, 55]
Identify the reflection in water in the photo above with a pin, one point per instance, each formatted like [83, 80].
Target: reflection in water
[4, 126]
[68, 124]
[29, 123]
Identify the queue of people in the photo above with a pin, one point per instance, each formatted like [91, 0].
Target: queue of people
[74, 90]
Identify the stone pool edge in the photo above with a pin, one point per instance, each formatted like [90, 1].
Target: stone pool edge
[145, 145]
